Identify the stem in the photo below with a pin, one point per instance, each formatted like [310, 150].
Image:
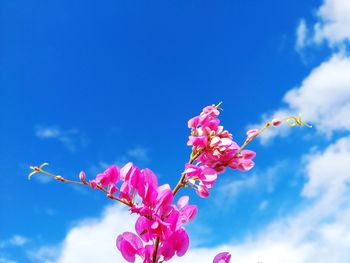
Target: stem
[181, 180]
[179, 185]
[61, 179]
[155, 251]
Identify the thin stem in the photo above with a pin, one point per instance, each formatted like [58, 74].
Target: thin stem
[181, 180]
[155, 250]
[179, 185]
[61, 179]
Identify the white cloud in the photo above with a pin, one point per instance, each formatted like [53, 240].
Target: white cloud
[334, 22]
[323, 99]
[91, 240]
[329, 172]
[332, 26]
[72, 138]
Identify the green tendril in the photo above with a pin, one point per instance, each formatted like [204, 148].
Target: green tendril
[296, 120]
[36, 169]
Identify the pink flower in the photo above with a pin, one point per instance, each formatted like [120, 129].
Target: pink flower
[109, 176]
[129, 245]
[223, 257]
[243, 161]
[187, 212]
[252, 133]
[177, 244]
[202, 173]
[146, 187]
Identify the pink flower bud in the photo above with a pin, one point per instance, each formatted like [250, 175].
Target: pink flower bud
[59, 178]
[111, 190]
[252, 133]
[276, 122]
[202, 191]
[82, 177]
[93, 184]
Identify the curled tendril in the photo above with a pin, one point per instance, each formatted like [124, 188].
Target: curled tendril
[218, 106]
[296, 120]
[36, 169]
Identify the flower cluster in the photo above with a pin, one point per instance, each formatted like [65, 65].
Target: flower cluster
[159, 229]
[158, 217]
[214, 149]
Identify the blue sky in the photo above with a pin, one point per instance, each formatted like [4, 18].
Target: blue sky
[88, 84]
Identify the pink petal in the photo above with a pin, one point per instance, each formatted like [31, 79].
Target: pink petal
[125, 171]
[223, 257]
[202, 191]
[182, 242]
[248, 154]
[189, 213]
[183, 201]
[193, 123]
[112, 189]
[165, 195]
[102, 179]
[112, 174]
[129, 245]
[252, 133]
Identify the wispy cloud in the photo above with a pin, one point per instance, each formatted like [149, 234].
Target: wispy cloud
[301, 35]
[139, 153]
[6, 260]
[263, 205]
[45, 254]
[72, 138]
[230, 190]
[15, 240]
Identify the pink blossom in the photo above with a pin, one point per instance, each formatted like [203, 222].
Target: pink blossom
[252, 133]
[129, 245]
[223, 257]
[109, 176]
[177, 244]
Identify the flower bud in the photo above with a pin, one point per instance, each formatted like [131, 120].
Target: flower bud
[82, 177]
[276, 122]
[59, 178]
[202, 191]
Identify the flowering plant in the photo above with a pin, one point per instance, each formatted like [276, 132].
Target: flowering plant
[160, 232]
